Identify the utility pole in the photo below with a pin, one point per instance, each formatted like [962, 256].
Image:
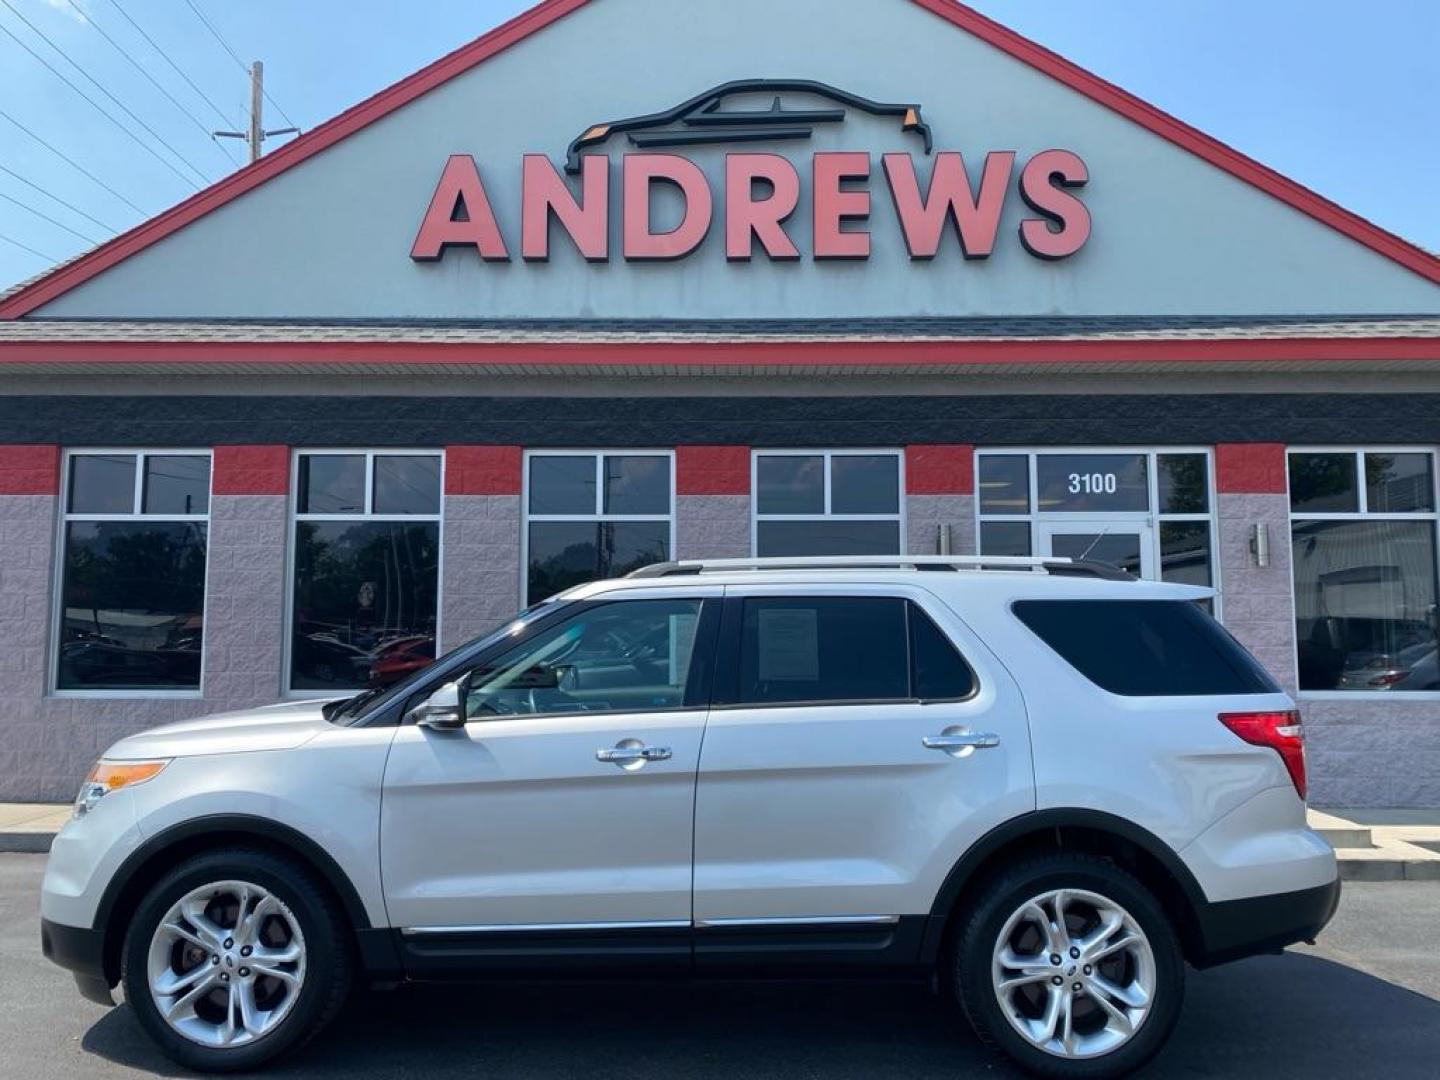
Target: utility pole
[257, 133]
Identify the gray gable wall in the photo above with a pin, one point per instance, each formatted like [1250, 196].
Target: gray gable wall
[331, 237]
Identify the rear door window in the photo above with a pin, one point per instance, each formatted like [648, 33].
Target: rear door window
[1146, 648]
[845, 649]
[824, 648]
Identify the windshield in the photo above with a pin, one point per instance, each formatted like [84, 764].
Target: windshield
[349, 710]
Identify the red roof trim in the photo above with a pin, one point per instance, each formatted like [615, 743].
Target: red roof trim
[79, 270]
[1188, 138]
[822, 353]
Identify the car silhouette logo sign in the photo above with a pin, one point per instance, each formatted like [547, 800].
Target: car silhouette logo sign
[709, 118]
[761, 189]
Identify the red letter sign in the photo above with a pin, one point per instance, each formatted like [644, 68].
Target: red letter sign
[922, 219]
[640, 171]
[1042, 186]
[459, 192]
[545, 192]
[834, 204]
[747, 218]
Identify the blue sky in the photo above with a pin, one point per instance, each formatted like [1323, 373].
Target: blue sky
[1342, 97]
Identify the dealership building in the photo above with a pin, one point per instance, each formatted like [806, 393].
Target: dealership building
[633, 280]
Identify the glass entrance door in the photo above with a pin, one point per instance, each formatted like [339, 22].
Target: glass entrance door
[1128, 545]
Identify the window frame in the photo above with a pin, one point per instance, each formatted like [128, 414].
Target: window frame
[64, 517]
[899, 517]
[600, 516]
[1153, 518]
[294, 517]
[1358, 451]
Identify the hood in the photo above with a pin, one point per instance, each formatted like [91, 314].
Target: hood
[271, 727]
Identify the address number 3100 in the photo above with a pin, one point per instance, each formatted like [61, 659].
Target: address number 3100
[1093, 483]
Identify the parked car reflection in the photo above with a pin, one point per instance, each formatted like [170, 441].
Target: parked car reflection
[399, 657]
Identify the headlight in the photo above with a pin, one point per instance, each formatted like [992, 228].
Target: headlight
[108, 776]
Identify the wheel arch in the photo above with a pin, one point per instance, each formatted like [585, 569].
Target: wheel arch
[162, 851]
[1133, 847]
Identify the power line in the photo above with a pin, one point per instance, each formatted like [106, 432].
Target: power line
[27, 247]
[90, 19]
[56, 198]
[224, 119]
[59, 74]
[73, 164]
[47, 217]
[233, 56]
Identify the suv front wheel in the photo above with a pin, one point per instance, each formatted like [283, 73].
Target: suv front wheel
[235, 957]
[1069, 965]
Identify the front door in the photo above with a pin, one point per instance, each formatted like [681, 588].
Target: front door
[1129, 545]
[567, 800]
[851, 756]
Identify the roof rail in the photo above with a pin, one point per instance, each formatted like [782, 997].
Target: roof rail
[1042, 564]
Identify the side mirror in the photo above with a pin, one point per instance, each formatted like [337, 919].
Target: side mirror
[444, 710]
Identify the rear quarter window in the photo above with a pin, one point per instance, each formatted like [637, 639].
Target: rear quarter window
[1146, 648]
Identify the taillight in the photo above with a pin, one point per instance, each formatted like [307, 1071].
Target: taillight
[1278, 730]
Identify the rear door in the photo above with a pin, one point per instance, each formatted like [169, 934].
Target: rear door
[861, 739]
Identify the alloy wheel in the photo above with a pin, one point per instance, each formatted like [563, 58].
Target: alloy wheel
[1074, 973]
[226, 963]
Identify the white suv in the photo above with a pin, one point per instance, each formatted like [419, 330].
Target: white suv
[1043, 783]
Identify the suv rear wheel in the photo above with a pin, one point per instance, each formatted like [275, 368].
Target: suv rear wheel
[1069, 965]
[235, 957]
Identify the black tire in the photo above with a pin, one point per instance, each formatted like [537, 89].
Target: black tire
[978, 931]
[329, 963]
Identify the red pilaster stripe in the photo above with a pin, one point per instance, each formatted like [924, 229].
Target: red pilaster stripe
[251, 470]
[29, 469]
[1250, 468]
[936, 469]
[712, 470]
[482, 470]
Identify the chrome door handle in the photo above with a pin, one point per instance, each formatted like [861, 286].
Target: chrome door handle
[632, 754]
[960, 744]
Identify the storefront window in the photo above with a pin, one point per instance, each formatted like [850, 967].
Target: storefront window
[132, 584]
[366, 558]
[1364, 553]
[594, 515]
[827, 502]
[1145, 511]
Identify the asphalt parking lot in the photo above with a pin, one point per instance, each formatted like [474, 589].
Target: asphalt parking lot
[1364, 1003]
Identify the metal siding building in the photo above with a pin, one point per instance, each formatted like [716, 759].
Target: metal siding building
[300, 431]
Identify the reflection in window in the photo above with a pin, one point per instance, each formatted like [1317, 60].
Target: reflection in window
[1366, 586]
[1004, 484]
[1005, 538]
[366, 569]
[1323, 484]
[133, 585]
[625, 656]
[594, 515]
[1184, 482]
[827, 503]
[563, 554]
